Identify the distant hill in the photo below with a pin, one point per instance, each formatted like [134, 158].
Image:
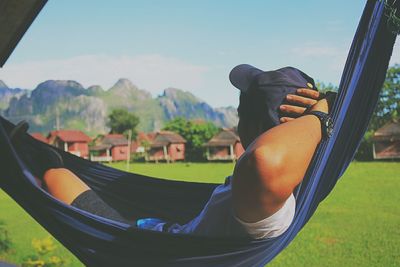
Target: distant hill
[87, 108]
[6, 94]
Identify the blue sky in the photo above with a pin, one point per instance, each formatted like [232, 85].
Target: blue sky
[190, 45]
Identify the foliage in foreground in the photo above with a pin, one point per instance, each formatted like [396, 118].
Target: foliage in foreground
[43, 257]
[5, 240]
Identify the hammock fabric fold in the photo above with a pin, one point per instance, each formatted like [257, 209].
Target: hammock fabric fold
[97, 241]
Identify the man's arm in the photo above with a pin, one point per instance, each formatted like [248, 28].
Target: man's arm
[273, 165]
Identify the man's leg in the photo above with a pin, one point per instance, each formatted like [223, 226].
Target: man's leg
[64, 184]
[60, 182]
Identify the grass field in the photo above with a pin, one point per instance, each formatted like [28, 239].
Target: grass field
[357, 225]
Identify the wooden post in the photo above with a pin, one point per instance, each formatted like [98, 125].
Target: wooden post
[232, 152]
[128, 157]
[108, 154]
[165, 153]
[373, 150]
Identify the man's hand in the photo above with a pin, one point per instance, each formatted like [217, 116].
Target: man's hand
[298, 103]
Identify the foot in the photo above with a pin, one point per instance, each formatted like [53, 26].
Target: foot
[40, 159]
[20, 129]
[51, 158]
[44, 159]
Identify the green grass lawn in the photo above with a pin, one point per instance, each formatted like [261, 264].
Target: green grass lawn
[357, 225]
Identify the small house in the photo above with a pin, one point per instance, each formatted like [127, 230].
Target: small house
[40, 137]
[73, 141]
[111, 147]
[142, 142]
[386, 141]
[225, 145]
[168, 146]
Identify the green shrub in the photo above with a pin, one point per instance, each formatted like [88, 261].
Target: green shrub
[5, 241]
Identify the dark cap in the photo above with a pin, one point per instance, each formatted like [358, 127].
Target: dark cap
[267, 90]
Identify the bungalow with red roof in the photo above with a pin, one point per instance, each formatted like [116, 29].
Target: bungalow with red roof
[40, 137]
[142, 142]
[168, 146]
[111, 147]
[386, 141]
[72, 141]
[225, 145]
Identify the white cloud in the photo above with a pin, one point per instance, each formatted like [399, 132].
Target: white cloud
[328, 60]
[151, 72]
[316, 50]
[331, 57]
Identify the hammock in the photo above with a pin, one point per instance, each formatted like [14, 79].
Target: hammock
[97, 241]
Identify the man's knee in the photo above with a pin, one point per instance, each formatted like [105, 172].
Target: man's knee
[56, 177]
[63, 184]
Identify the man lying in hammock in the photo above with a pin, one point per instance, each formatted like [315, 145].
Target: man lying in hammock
[280, 137]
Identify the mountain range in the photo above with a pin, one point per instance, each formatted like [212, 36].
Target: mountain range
[67, 104]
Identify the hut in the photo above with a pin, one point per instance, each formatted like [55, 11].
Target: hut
[73, 141]
[111, 147]
[168, 146]
[386, 141]
[225, 145]
[142, 142]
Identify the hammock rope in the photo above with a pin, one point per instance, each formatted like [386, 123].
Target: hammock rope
[97, 241]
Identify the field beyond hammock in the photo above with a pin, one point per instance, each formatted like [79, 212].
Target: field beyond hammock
[357, 225]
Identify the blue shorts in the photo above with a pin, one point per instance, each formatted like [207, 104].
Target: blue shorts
[218, 219]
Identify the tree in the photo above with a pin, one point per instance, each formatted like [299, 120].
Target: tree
[387, 109]
[179, 125]
[322, 87]
[121, 121]
[388, 106]
[195, 133]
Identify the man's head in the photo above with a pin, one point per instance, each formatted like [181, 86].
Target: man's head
[261, 94]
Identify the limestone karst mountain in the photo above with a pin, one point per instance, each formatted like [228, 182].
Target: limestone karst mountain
[70, 105]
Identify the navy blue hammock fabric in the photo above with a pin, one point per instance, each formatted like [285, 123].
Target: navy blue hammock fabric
[97, 241]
